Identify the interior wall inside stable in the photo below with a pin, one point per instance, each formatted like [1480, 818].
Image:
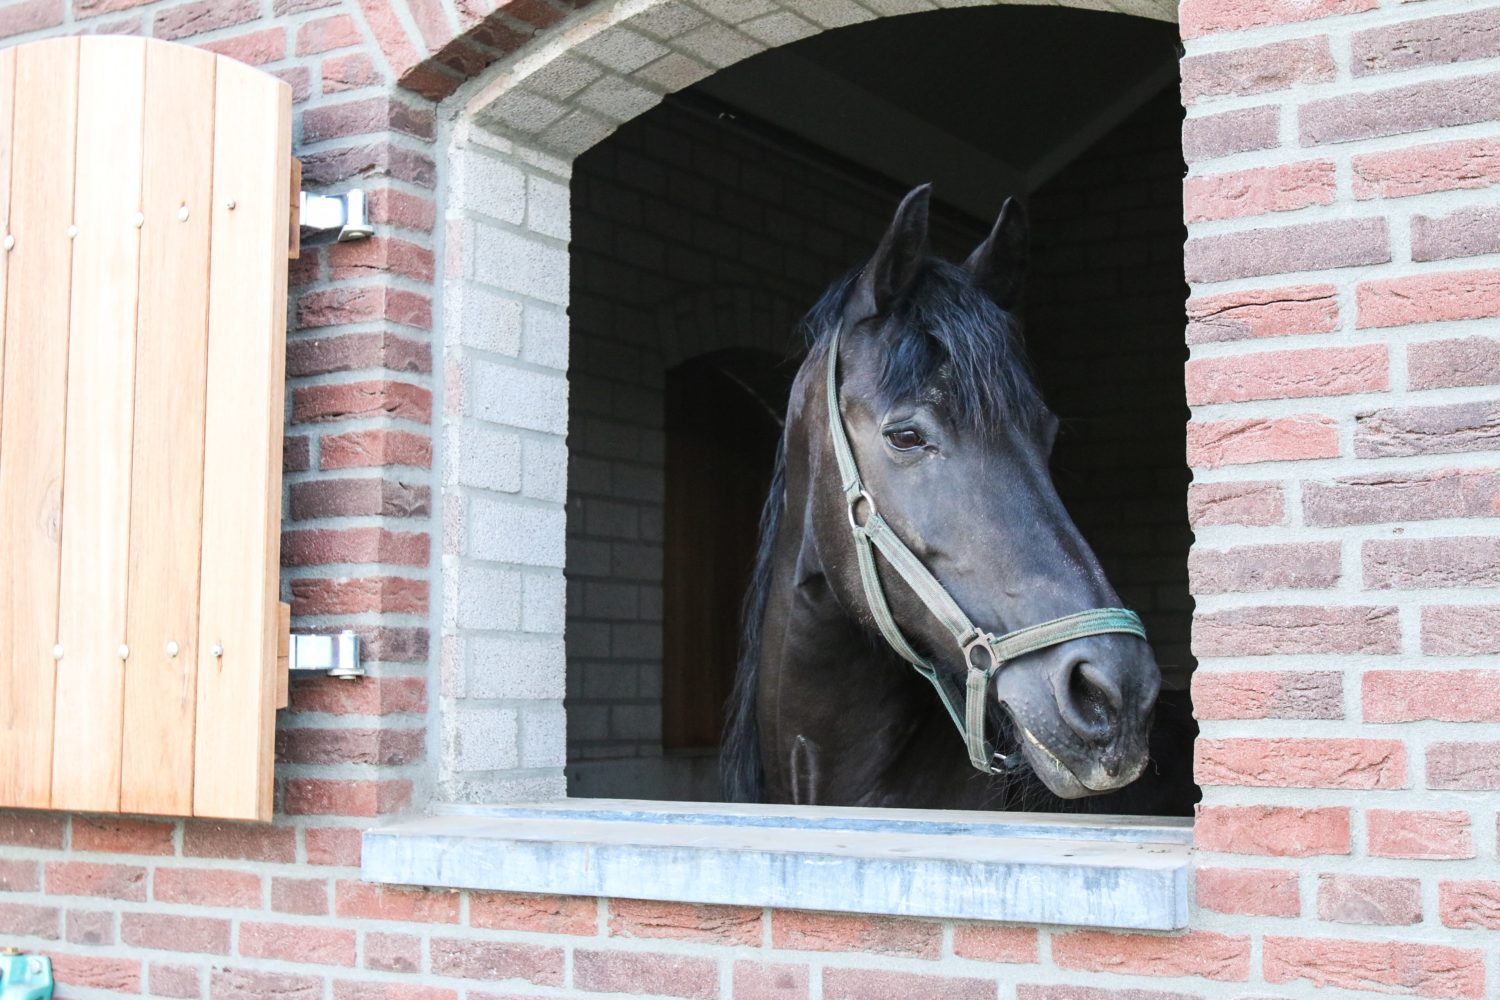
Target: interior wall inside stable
[699, 229]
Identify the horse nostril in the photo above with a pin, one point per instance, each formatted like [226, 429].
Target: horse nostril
[1093, 702]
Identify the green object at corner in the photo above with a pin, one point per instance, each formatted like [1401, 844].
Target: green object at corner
[25, 977]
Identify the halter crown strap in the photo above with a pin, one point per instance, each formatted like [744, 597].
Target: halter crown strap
[875, 533]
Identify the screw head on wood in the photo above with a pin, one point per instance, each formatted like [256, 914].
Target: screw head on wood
[172, 648]
[230, 204]
[217, 650]
[10, 242]
[182, 214]
[139, 220]
[72, 232]
[124, 651]
[57, 651]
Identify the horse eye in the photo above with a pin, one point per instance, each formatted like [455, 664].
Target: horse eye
[905, 439]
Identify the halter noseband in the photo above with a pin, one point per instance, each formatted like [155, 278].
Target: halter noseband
[876, 533]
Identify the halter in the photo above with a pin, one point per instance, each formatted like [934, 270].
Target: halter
[876, 533]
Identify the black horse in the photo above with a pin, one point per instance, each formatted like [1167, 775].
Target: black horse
[951, 436]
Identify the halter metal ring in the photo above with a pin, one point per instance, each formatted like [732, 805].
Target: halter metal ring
[854, 502]
[981, 639]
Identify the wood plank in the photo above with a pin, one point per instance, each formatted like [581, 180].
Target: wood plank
[294, 227]
[166, 520]
[242, 452]
[284, 645]
[32, 408]
[100, 410]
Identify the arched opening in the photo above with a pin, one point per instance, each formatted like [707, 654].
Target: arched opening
[709, 223]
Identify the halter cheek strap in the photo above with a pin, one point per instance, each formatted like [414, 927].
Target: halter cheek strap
[984, 653]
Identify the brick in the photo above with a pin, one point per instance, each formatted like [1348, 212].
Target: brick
[1405, 563]
[326, 307]
[1461, 630]
[366, 901]
[122, 836]
[332, 845]
[299, 78]
[1422, 969]
[254, 48]
[1468, 232]
[295, 454]
[1464, 766]
[1469, 904]
[85, 878]
[1369, 899]
[402, 209]
[327, 33]
[1207, 17]
[190, 19]
[1289, 566]
[1310, 246]
[357, 497]
[1427, 298]
[247, 984]
[1262, 312]
[344, 989]
[371, 696]
[989, 943]
[1463, 361]
[1207, 137]
[301, 943]
[771, 981]
[1247, 503]
[639, 918]
[93, 8]
[1268, 694]
[1257, 70]
[1274, 831]
[31, 829]
[1440, 695]
[1399, 110]
[307, 896]
[1270, 629]
[1430, 430]
[321, 355]
[1258, 892]
[1395, 496]
[239, 841]
[169, 932]
[1429, 41]
[21, 16]
[393, 952]
[375, 447]
[1215, 443]
[351, 72]
[515, 911]
[25, 920]
[20, 876]
[1424, 835]
[1197, 953]
[1300, 763]
[1440, 166]
[350, 746]
[392, 594]
[886, 984]
[207, 887]
[380, 255]
[375, 398]
[181, 981]
[1320, 371]
[325, 546]
[367, 116]
[471, 959]
[814, 931]
[121, 975]
[345, 797]
[1036, 991]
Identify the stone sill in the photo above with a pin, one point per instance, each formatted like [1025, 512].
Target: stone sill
[1095, 871]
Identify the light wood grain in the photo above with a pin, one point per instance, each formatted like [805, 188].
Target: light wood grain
[32, 408]
[283, 645]
[166, 520]
[101, 393]
[242, 454]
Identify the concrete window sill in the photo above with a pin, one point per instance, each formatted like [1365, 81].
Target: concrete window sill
[1097, 871]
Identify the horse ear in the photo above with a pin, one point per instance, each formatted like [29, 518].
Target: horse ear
[894, 266]
[999, 263]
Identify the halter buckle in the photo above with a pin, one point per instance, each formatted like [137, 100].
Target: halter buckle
[854, 502]
[981, 639]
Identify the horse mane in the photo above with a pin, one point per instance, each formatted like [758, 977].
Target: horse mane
[961, 344]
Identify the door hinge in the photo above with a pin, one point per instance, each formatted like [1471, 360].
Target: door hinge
[334, 655]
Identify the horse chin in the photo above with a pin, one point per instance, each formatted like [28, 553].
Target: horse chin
[1069, 781]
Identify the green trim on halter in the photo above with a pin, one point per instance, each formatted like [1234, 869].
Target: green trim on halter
[876, 533]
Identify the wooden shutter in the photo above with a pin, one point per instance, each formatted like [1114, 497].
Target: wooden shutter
[144, 190]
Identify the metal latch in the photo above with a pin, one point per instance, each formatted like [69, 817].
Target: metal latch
[334, 218]
[334, 655]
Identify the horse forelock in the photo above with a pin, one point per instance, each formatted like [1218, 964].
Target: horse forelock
[952, 344]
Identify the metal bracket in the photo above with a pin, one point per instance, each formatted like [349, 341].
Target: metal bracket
[334, 218]
[334, 655]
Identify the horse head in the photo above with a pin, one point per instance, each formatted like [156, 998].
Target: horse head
[951, 441]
